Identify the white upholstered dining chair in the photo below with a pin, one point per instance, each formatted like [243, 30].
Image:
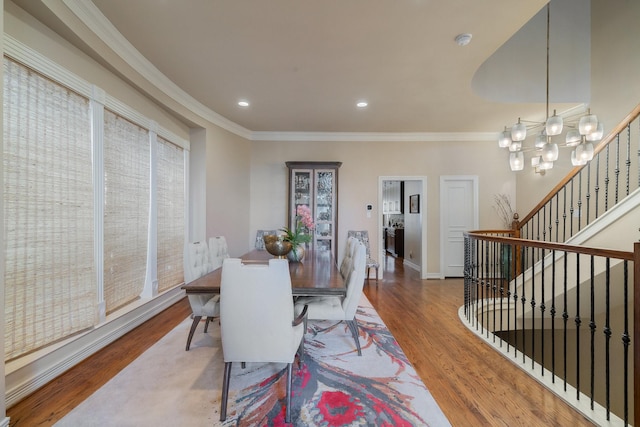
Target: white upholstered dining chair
[341, 308]
[197, 263]
[363, 236]
[257, 319]
[218, 251]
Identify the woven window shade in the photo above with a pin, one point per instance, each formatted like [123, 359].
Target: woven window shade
[126, 209]
[170, 214]
[50, 279]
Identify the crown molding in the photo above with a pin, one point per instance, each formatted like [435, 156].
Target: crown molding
[374, 136]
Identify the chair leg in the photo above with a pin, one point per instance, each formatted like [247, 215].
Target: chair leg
[353, 326]
[287, 417]
[194, 325]
[206, 324]
[376, 276]
[225, 391]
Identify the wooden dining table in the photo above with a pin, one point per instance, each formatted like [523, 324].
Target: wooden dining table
[317, 274]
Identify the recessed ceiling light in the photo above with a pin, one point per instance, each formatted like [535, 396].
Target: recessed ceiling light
[243, 103]
[362, 104]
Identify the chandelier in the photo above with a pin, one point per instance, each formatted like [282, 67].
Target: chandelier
[581, 132]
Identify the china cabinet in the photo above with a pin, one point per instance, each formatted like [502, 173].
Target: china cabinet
[315, 184]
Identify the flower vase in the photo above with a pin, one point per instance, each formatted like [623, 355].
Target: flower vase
[296, 254]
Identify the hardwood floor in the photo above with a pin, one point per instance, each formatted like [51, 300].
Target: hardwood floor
[472, 383]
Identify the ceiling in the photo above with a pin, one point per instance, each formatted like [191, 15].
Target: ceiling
[303, 65]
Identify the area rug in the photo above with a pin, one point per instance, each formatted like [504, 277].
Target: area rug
[167, 386]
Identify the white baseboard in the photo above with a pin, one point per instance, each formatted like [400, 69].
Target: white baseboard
[22, 380]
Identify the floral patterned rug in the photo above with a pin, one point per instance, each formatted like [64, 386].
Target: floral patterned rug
[334, 387]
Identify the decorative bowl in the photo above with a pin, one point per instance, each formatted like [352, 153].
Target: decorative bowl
[275, 246]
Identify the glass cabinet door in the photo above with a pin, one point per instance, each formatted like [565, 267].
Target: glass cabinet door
[315, 184]
[324, 212]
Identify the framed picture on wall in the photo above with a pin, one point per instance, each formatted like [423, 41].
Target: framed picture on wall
[414, 203]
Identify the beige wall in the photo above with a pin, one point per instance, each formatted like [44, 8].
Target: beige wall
[615, 87]
[362, 164]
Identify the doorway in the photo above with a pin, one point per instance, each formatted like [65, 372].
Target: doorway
[458, 213]
[415, 229]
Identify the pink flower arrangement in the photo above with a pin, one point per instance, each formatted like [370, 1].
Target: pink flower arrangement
[304, 223]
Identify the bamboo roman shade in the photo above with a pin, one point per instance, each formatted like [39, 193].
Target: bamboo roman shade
[171, 222]
[126, 209]
[50, 278]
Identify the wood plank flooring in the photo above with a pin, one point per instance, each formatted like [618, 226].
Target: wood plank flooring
[474, 385]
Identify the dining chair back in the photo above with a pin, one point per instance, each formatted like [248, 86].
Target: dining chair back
[259, 238]
[341, 308]
[197, 263]
[363, 236]
[347, 260]
[218, 251]
[257, 318]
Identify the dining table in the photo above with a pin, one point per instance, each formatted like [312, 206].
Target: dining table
[316, 275]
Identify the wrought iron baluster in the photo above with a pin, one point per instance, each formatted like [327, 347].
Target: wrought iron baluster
[626, 341]
[607, 335]
[557, 220]
[628, 160]
[588, 194]
[571, 210]
[523, 300]
[565, 319]
[564, 213]
[552, 312]
[597, 186]
[542, 310]
[617, 169]
[579, 200]
[533, 311]
[578, 322]
[606, 181]
[592, 328]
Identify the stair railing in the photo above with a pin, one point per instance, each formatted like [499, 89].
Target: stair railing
[568, 321]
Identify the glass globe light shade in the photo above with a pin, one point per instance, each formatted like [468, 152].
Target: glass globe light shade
[516, 161]
[573, 138]
[504, 140]
[584, 152]
[554, 125]
[545, 166]
[575, 161]
[541, 139]
[587, 124]
[515, 146]
[518, 131]
[550, 152]
[596, 135]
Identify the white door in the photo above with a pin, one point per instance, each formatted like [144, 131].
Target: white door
[458, 213]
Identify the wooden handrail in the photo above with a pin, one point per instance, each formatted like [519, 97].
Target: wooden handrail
[606, 141]
[609, 253]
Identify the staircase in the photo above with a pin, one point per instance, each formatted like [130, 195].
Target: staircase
[555, 294]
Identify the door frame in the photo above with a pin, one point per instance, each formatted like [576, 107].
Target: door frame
[423, 221]
[476, 215]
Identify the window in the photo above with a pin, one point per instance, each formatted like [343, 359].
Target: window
[50, 280]
[72, 256]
